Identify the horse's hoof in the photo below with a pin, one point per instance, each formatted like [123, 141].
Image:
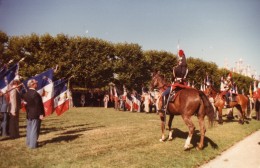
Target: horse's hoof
[241, 122]
[220, 123]
[162, 140]
[186, 148]
[170, 139]
[198, 148]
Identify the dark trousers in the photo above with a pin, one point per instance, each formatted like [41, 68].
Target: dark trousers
[14, 126]
[33, 132]
[4, 123]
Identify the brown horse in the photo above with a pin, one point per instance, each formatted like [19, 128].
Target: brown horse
[187, 102]
[241, 103]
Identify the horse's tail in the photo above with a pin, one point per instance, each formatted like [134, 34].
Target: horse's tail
[209, 110]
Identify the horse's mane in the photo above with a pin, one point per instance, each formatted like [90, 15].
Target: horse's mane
[162, 79]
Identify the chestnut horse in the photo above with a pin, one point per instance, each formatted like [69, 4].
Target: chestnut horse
[241, 103]
[187, 102]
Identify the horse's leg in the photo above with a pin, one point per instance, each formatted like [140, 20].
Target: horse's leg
[241, 114]
[162, 117]
[230, 114]
[170, 126]
[202, 133]
[220, 120]
[191, 127]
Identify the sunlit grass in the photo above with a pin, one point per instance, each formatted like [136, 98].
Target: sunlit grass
[98, 137]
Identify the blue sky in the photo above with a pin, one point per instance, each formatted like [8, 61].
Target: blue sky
[216, 31]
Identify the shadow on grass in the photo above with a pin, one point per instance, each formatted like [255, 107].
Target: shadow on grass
[228, 119]
[46, 130]
[58, 139]
[195, 139]
[65, 135]
[68, 135]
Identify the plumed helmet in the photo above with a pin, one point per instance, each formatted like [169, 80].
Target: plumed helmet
[181, 53]
[229, 75]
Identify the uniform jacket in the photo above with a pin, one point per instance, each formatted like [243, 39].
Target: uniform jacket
[34, 105]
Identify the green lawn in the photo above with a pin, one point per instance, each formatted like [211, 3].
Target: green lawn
[99, 137]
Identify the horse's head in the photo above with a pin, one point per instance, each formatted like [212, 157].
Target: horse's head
[208, 90]
[157, 81]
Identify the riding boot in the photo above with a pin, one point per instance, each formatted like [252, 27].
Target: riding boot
[228, 100]
[163, 104]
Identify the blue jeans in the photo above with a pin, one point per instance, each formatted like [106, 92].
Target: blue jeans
[33, 132]
[167, 91]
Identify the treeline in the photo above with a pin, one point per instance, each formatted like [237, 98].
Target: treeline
[94, 63]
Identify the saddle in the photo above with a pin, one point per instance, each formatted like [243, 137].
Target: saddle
[176, 87]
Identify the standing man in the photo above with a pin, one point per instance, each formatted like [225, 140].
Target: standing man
[3, 111]
[35, 113]
[15, 105]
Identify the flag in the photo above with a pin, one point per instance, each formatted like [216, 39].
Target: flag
[128, 103]
[45, 89]
[115, 92]
[136, 103]
[8, 76]
[61, 96]
[250, 91]
[255, 88]
[111, 94]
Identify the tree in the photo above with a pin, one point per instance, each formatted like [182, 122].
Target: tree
[3, 44]
[161, 61]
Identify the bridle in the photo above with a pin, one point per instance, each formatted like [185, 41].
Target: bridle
[155, 80]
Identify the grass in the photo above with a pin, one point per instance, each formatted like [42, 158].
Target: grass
[98, 137]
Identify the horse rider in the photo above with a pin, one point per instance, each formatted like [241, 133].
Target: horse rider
[179, 74]
[227, 87]
[207, 80]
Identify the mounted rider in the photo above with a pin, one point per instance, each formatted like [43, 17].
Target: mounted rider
[180, 71]
[179, 74]
[227, 87]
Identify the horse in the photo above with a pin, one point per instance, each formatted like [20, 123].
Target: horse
[241, 103]
[187, 102]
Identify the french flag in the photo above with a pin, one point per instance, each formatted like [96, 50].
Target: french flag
[61, 96]
[45, 89]
[136, 103]
[7, 76]
[128, 103]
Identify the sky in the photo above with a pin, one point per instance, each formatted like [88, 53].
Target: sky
[219, 31]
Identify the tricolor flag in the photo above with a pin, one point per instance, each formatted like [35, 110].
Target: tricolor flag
[250, 91]
[111, 95]
[8, 76]
[61, 96]
[128, 103]
[136, 103]
[45, 89]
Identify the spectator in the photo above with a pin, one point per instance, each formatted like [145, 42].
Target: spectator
[15, 105]
[35, 113]
[3, 112]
